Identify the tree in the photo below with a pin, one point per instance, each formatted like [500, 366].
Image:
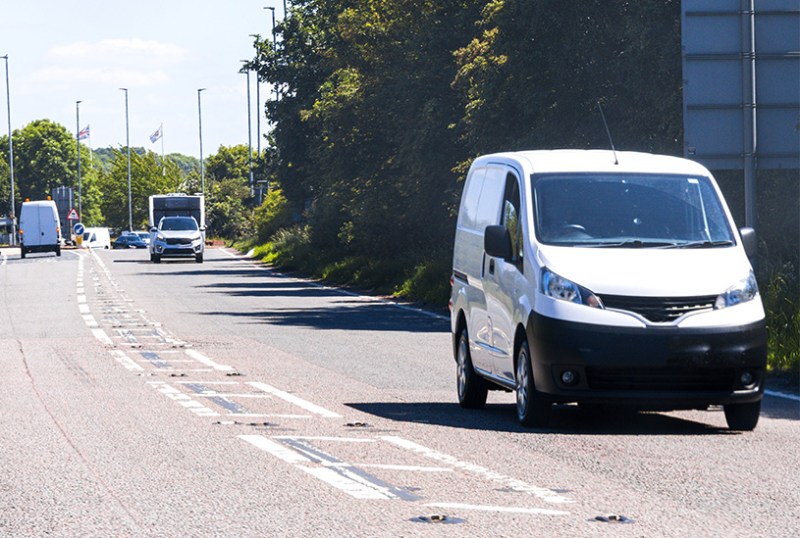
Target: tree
[228, 192]
[148, 177]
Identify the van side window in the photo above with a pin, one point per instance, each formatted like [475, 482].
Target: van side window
[511, 216]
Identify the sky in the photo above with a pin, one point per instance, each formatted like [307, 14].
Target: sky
[162, 51]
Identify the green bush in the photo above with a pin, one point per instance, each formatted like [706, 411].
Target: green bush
[781, 296]
[272, 215]
[429, 283]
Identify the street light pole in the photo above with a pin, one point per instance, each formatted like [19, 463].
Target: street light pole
[78, 139]
[274, 37]
[200, 129]
[12, 211]
[249, 129]
[128, 144]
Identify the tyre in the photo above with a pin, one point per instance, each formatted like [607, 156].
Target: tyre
[198, 258]
[58, 251]
[472, 388]
[156, 258]
[743, 416]
[22, 253]
[532, 410]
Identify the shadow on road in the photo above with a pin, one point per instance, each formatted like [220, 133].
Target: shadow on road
[346, 315]
[566, 419]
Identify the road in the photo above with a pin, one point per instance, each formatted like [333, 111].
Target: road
[223, 399]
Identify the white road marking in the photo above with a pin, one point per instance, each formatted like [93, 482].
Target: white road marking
[101, 335]
[126, 361]
[276, 449]
[83, 308]
[81, 299]
[341, 475]
[294, 400]
[412, 468]
[349, 484]
[90, 321]
[544, 494]
[504, 509]
[183, 399]
[199, 357]
[324, 438]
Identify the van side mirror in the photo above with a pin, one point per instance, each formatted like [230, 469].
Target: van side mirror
[749, 242]
[153, 229]
[497, 242]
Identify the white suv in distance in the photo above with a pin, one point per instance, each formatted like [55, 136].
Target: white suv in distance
[176, 237]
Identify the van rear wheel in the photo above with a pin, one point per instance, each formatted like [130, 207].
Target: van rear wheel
[743, 416]
[22, 253]
[532, 409]
[472, 388]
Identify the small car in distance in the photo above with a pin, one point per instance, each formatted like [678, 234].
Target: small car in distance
[129, 240]
[144, 236]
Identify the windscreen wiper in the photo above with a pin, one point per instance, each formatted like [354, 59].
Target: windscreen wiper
[634, 243]
[706, 244]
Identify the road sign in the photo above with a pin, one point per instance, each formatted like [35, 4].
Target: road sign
[78, 229]
[73, 215]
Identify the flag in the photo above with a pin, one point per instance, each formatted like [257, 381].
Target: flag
[83, 133]
[157, 134]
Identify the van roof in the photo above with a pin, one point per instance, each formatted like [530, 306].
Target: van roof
[601, 160]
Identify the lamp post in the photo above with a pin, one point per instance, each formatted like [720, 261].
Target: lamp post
[200, 129]
[274, 37]
[128, 145]
[246, 70]
[258, 107]
[12, 209]
[78, 139]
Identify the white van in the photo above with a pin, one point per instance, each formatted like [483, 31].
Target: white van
[602, 277]
[39, 229]
[96, 238]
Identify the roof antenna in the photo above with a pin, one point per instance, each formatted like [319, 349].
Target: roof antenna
[613, 149]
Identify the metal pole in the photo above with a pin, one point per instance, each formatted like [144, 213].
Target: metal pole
[78, 138]
[275, 38]
[750, 119]
[128, 144]
[12, 211]
[249, 132]
[200, 129]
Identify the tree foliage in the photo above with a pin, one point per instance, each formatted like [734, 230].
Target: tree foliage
[148, 176]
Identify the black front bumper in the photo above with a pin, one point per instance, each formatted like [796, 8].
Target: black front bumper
[652, 367]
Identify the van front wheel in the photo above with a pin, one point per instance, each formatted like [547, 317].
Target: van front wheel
[472, 388]
[532, 410]
[743, 416]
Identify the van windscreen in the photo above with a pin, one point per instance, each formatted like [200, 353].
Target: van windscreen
[629, 210]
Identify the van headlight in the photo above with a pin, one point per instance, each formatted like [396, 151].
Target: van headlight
[743, 291]
[560, 288]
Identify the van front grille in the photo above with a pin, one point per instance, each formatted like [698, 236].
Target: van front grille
[179, 241]
[670, 379]
[659, 309]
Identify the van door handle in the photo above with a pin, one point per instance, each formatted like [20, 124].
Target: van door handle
[491, 266]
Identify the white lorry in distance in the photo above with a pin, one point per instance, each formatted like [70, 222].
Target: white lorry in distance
[39, 230]
[177, 226]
